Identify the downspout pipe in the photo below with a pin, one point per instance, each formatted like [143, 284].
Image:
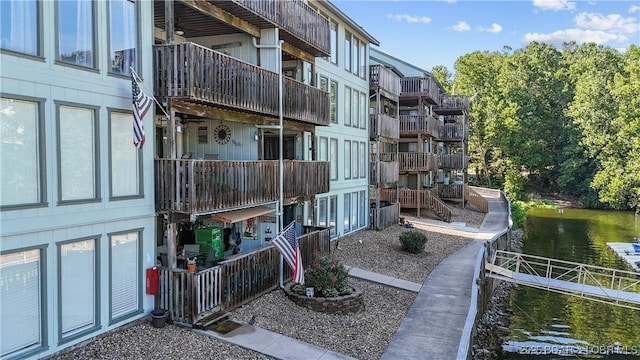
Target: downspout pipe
[278, 46]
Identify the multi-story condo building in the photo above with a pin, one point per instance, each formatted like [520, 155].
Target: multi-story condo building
[432, 150]
[344, 143]
[233, 152]
[384, 134]
[76, 197]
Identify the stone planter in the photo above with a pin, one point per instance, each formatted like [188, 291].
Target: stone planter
[347, 304]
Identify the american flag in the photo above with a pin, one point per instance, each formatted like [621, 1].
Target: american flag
[141, 104]
[287, 244]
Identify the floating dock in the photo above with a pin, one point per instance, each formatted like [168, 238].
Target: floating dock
[627, 252]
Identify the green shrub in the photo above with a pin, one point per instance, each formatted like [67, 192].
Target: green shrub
[413, 241]
[327, 277]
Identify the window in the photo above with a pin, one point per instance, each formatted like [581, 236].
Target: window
[363, 111]
[333, 214]
[323, 151]
[23, 325]
[363, 60]
[354, 210]
[323, 84]
[347, 51]
[78, 288]
[354, 55]
[123, 35]
[77, 146]
[347, 213]
[333, 153]
[334, 42]
[334, 103]
[363, 160]
[124, 158]
[21, 146]
[20, 29]
[322, 212]
[354, 160]
[355, 111]
[363, 209]
[347, 159]
[347, 106]
[125, 290]
[75, 41]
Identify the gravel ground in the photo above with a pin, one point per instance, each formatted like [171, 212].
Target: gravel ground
[364, 335]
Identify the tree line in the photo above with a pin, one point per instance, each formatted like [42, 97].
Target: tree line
[566, 120]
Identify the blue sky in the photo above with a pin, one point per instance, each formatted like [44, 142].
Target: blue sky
[428, 33]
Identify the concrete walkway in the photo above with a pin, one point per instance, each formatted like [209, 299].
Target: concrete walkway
[434, 324]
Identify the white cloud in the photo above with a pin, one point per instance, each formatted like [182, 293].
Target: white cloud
[612, 22]
[495, 28]
[461, 26]
[578, 35]
[409, 18]
[554, 5]
[634, 9]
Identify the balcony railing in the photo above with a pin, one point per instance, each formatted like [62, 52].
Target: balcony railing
[383, 125]
[191, 186]
[413, 125]
[452, 161]
[299, 23]
[451, 191]
[452, 104]
[413, 161]
[414, 86]
[191, 72]
[389, 172]
[451, 132]
[385, 79]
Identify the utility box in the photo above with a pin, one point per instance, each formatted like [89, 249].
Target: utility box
[210, 238]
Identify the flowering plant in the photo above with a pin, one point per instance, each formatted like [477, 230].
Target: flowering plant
[327, 277]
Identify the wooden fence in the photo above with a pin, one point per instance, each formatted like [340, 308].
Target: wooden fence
[413, 199]
[474, 198]
[191, 297]
[385, 216]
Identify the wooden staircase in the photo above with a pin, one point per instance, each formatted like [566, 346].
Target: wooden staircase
[413, 199]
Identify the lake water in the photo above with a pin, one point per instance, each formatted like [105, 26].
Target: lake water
[548, 324]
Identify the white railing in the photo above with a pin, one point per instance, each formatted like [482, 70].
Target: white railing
[612, 286]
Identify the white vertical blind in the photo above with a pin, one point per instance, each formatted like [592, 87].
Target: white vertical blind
[20, 294]
[19, 152]
[124, 274]
[124, 157]
[77, 286]
[77, 153]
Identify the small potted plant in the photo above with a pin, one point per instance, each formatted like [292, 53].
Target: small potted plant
[191, 264]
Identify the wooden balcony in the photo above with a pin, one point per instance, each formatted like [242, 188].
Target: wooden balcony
[300, 24]
[416, 87]
[385, 80]
[414, 199]
[192, 297]
[192, 186]
[191, 72]
[452, 105]
[389, 172]
[412, 125]
[452, 132]
[383, 125]
[413, 161]
[452, 161]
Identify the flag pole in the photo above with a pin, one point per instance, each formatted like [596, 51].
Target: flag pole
[139, 81]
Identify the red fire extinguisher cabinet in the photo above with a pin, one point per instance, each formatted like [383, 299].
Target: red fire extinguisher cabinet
[152, 280]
